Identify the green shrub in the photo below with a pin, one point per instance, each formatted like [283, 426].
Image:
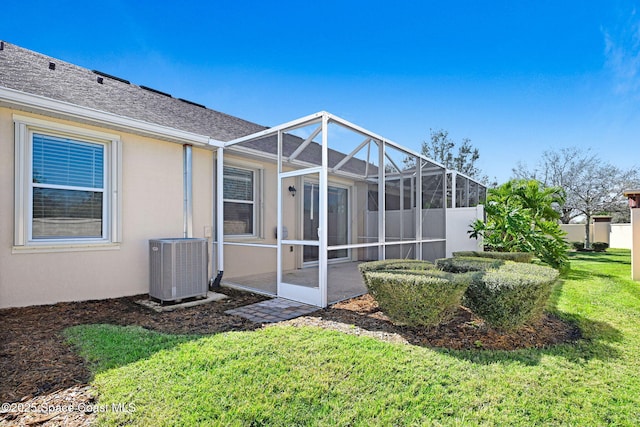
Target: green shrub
[461, 278]
[416, 265]
[415, 298]
[600, 246]
[511, 295]
[578, 246]
[525, 257]
[394, 265]
[463, 264]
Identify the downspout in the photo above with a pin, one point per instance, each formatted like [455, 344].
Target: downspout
[219, 215]
[188, 191]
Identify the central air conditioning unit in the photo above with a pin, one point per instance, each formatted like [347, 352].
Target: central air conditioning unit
[178, 269]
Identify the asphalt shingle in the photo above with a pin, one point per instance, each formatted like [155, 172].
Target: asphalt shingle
[28, 71]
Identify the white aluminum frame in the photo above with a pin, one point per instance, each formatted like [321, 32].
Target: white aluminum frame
[424, 166]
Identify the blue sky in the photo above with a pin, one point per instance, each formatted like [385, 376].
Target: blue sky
[517, 78]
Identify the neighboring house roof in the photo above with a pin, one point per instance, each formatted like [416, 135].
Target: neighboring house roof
[28, 71]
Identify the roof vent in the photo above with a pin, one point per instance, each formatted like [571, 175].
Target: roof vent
[52, 65]
[192, 103]
[1, 45]
[100, 73]
[155, 91]
[100, 80]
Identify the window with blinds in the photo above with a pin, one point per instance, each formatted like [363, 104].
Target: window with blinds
[68, 188]
[239, 201]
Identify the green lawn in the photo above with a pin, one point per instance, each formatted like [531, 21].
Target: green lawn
[306, 376]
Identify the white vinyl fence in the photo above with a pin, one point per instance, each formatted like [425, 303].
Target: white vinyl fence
[458, 225]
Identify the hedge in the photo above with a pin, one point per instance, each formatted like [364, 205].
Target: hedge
[511, 295]
[462, 264]
[415, 298]
[394, 265]
[525, 257]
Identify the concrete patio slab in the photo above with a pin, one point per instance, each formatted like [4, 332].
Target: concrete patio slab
[156, 306]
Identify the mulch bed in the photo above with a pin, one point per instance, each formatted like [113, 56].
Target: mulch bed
[465, 331]
[39, 368]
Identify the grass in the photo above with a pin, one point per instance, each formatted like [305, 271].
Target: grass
[307, 376]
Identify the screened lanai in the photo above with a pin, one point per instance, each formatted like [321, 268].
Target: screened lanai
[301, 204]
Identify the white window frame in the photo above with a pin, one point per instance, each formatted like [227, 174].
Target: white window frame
[257, 179]
[25, 127]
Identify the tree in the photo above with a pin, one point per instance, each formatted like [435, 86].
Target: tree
[521, 218]
[441, 148]
[591, 187]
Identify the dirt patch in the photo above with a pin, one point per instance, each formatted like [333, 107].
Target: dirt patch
[39, 369]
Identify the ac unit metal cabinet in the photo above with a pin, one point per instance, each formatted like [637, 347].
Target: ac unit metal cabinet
[178, 268]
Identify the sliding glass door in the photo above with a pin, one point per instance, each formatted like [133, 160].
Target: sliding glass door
[338, 218]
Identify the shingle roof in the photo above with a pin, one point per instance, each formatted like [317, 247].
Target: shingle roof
[28, 71]
[32, 72]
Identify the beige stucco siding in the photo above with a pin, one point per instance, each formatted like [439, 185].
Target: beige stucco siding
[203, 203]
[6, 203]
[152, 207]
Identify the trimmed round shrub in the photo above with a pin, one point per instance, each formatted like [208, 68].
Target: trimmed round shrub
[410, 265]
[525, 257]
[462, 264]
[415, 298]
[600, 246]
[512, 295]
[394, 265]
[578, 246]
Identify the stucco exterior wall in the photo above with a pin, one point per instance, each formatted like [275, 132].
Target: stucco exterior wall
[152, 207]
[203, 198]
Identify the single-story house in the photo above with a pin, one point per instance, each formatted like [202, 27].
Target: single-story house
[93, 167]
